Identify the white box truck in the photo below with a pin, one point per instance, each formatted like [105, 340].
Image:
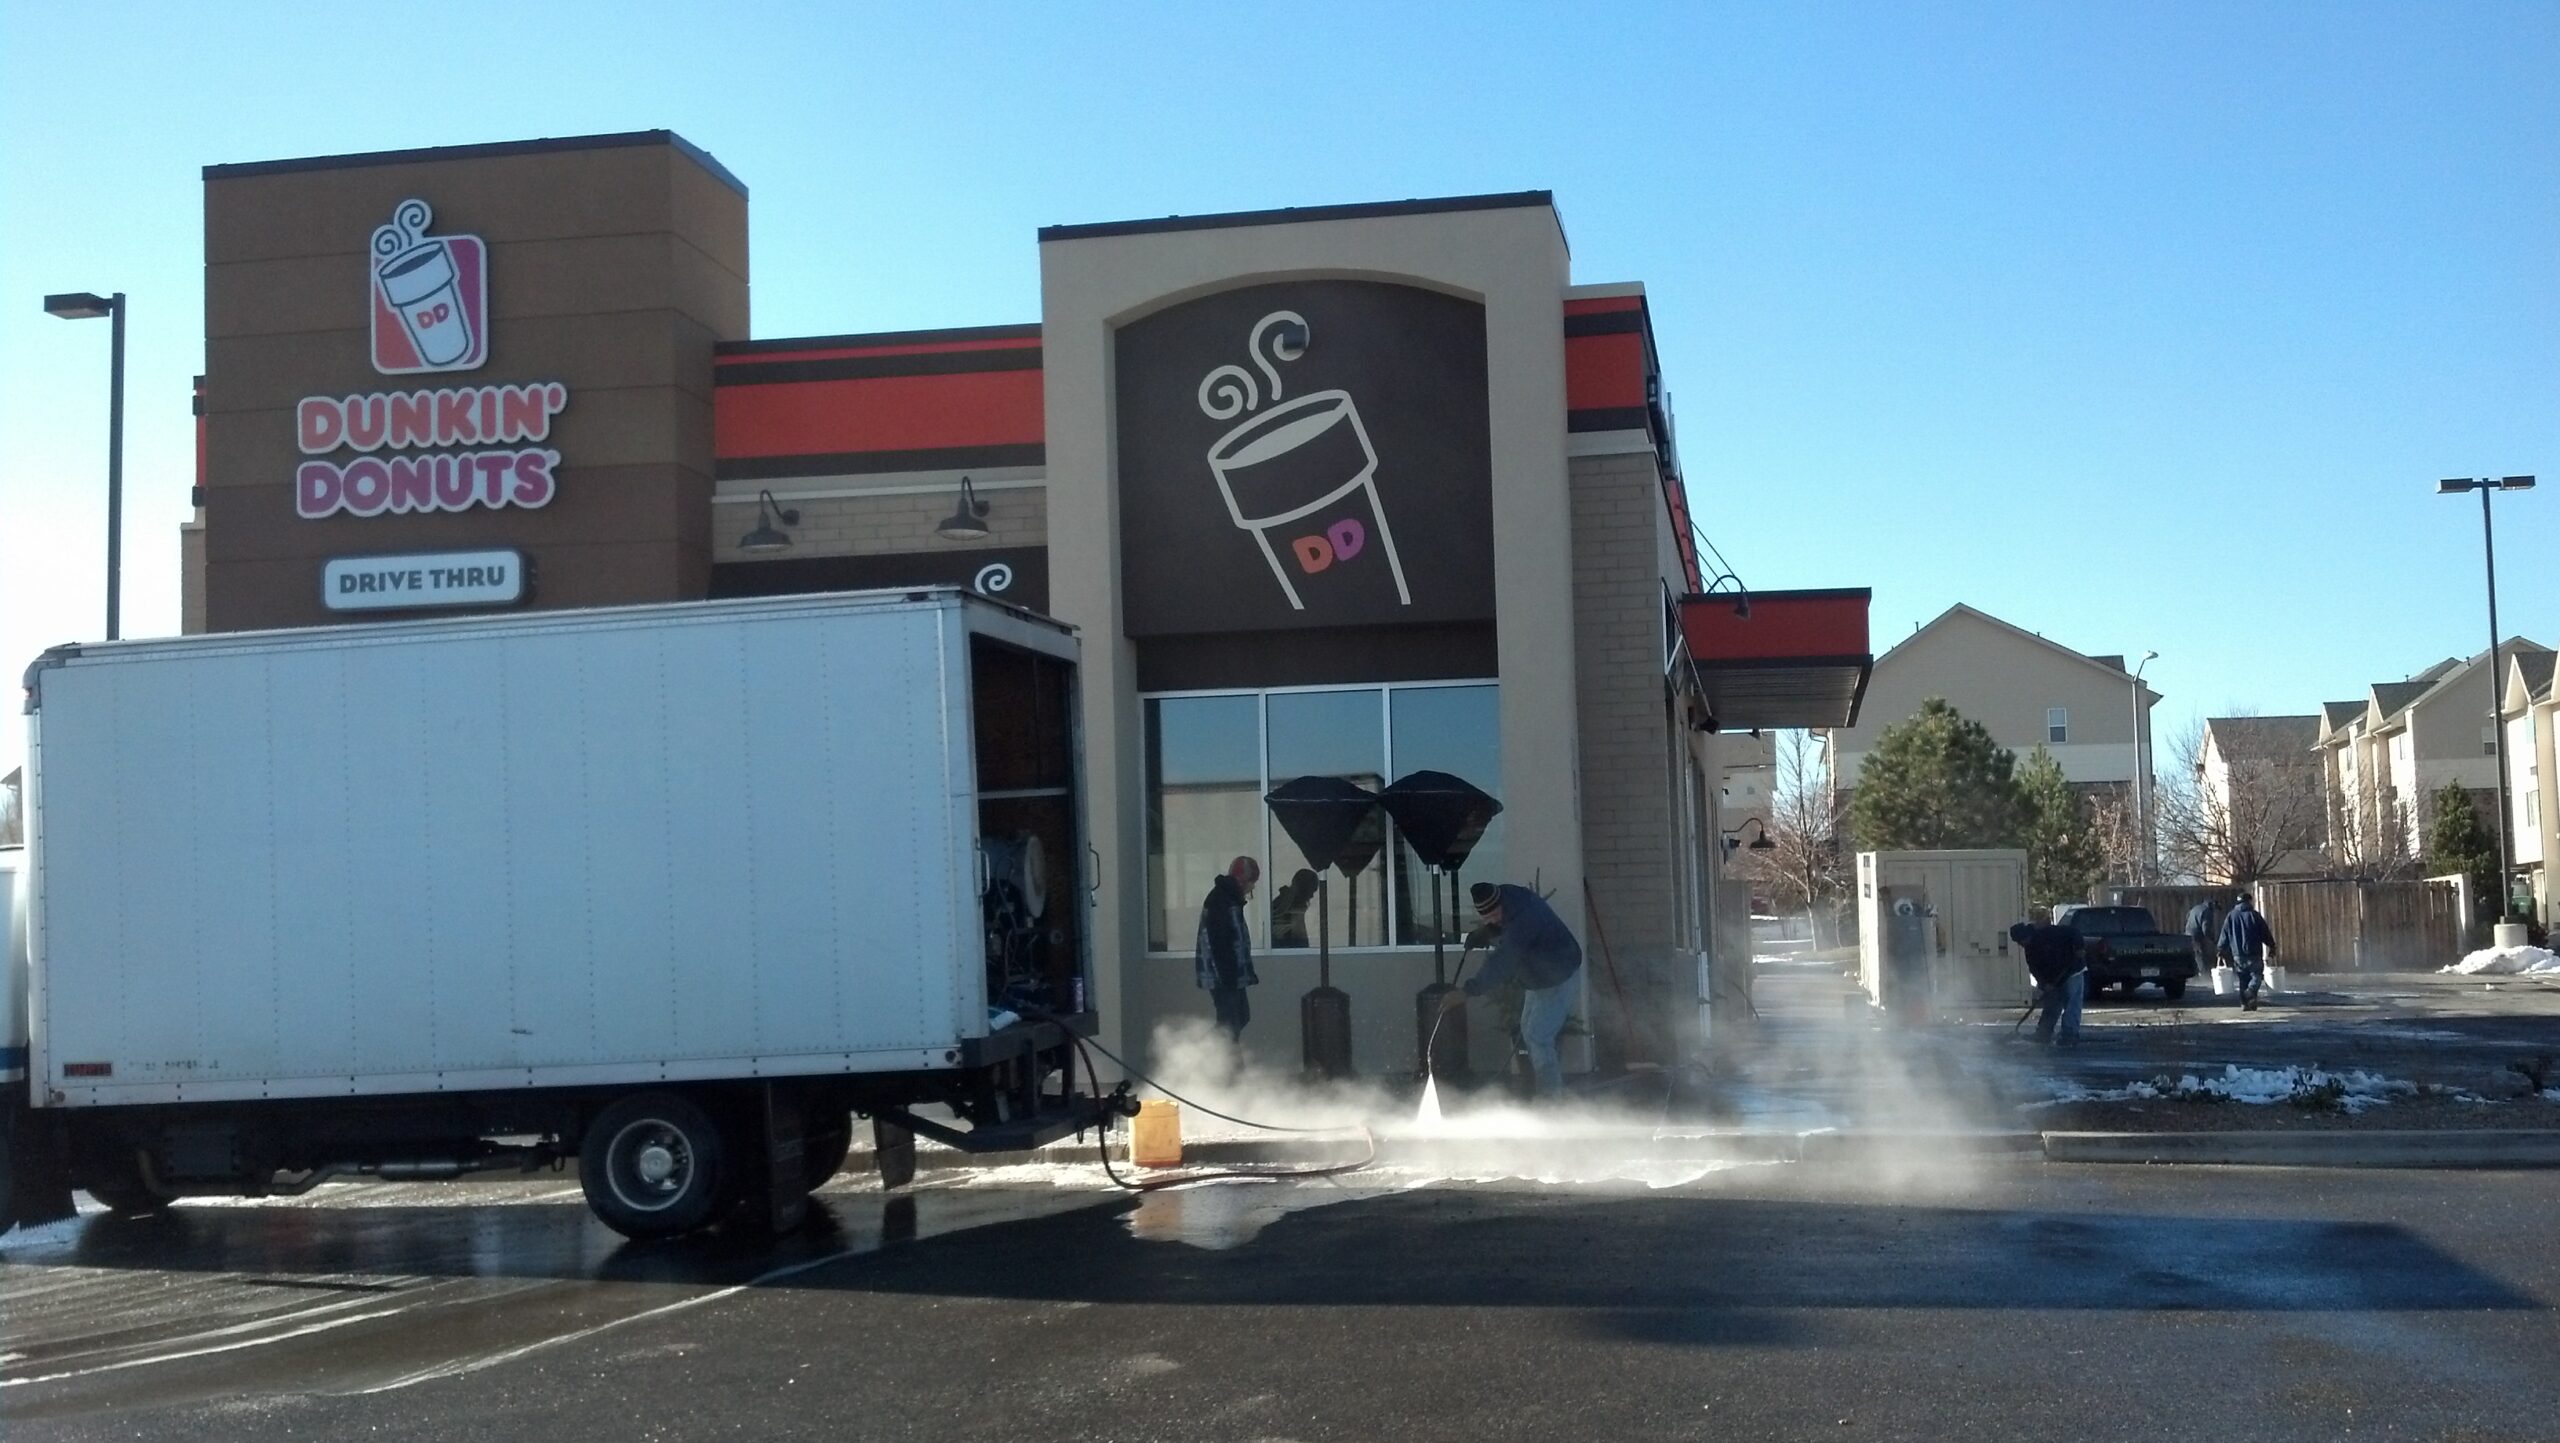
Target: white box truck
[674, 891]
[1956, 908]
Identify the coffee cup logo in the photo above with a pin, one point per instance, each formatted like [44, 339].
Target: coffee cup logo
[430, 296]
[1302, 476]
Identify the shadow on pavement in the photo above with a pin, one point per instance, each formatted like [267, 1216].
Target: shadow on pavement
[1648, 1263]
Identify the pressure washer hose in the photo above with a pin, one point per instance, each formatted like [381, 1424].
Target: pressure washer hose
[1085, 1049]
[1431, 1044]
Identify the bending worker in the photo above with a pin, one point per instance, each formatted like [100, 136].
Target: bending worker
[1532, 942]
[2055, 961]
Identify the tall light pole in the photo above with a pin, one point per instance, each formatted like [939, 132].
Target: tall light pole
[84, 306]
[2141, 813]
[2497, 678]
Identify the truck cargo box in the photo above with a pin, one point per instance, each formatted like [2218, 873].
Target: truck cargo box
[712, 840]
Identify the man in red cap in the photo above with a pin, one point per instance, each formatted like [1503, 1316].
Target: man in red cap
[1224, 955]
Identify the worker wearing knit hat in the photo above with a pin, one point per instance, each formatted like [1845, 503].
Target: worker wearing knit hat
[1222, 958]
[1532, 943]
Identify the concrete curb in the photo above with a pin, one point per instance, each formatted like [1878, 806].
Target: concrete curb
[2450, 1147]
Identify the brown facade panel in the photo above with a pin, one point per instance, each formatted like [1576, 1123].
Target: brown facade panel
[265, 595]
[627, 190]
[623, 348]
[559, 277]
[611, 504]
[599, 429]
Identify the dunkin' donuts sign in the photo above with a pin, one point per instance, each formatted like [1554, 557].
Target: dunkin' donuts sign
[437, 449]
[1304, 454]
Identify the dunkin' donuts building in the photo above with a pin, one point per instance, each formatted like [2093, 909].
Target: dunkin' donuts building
[1349, 491]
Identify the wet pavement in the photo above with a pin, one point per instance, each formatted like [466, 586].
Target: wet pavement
[2013, 1300]
[1817, 1055]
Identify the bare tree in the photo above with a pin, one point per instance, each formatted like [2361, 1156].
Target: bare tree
[2369, 837]
[1803, 868]
[2119, 837]
[2268, 809]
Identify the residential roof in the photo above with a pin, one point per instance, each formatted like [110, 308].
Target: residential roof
[2101, 663]
[2390, 698]
[2536, 669]
[2335, 714]
[2263, 736]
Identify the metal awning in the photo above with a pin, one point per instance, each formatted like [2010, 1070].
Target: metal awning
[1778, 658]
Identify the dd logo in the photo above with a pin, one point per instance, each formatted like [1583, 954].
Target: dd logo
[1339, 542]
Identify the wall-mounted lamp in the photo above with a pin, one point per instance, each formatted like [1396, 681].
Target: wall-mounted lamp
[769, 537]
[1741, 593]
[967, 521]
[1760, 843]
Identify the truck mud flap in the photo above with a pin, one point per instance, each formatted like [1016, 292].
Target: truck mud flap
[35, 1179]
[778, 1182]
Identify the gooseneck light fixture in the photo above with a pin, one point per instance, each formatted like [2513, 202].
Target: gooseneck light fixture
[1761, 843]
[85, 306]
[968, 520]
[2497, 678]
[768, 537]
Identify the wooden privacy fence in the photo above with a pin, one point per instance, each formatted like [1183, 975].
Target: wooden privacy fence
[2364, 926]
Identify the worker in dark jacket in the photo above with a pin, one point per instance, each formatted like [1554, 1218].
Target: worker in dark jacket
[2062, 978]
[1223, 958]
[2202, 924]
[1531, 943]
[2250, 944]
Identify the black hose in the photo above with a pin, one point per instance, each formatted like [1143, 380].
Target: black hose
[1102, 1142]
[1431, 1043]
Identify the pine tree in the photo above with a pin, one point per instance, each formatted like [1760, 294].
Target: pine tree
[1936, 780]
[2064, 859]
[2458, 843]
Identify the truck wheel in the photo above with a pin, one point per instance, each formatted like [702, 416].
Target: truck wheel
[2174, 988]
[824, 1147]
[654, 1165]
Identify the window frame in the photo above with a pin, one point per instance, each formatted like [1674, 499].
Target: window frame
[1383, 691]
[2057, 733]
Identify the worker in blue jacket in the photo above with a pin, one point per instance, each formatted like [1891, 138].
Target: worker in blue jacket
[2250, 944]
[1532, 943]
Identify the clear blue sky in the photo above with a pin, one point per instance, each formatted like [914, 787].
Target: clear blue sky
[2144, 326]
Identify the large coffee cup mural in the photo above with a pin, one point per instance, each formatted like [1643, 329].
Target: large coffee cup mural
[1304, 454]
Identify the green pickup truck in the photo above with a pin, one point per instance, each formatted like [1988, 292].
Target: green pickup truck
[2125, 947]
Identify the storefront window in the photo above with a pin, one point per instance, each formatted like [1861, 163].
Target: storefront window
[1458, 730]
[1327, 734]
[1210, 759]
[1204, 804]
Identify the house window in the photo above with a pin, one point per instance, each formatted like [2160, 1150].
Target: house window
[1210, 757]
[2533, 809]
[2057, 724]
[2488, 741]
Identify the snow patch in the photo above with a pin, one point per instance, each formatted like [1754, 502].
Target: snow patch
[2352, 1091]
[2507, 962]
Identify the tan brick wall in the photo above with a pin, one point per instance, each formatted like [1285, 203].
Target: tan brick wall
[882, 525]
[1628, 826]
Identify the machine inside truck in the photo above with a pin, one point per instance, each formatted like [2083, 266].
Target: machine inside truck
[884, 922]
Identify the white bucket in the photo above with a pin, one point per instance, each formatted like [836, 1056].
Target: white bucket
[2225, 981]
[2275, 981]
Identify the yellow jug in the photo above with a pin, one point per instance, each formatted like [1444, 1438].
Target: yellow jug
[1155, 1138]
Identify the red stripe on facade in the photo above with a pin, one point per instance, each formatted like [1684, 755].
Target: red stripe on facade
[1602, 305]
[832, 353]
[883, 413]
[1604, 372]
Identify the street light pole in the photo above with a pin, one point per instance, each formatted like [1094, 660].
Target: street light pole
[87, 306]
[2497, 680]
[2141, 812]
